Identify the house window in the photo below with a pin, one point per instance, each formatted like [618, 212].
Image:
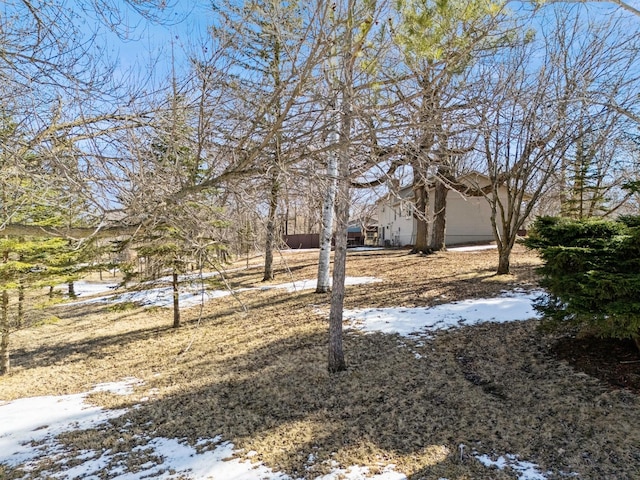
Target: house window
[406, 209]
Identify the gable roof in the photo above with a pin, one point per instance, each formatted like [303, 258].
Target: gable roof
[473, 180]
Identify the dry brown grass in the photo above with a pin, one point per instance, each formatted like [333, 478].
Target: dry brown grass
[259, 378]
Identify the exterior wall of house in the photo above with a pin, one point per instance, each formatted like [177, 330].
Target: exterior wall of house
[395, 222]
[468, 218]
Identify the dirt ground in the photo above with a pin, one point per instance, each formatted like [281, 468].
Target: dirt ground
[252, 368]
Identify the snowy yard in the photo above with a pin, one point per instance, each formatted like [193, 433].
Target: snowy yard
[100, 432]
[37, 421]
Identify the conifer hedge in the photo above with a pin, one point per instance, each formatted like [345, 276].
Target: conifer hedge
[591, 272]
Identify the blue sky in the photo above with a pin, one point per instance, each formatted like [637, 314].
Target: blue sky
[184, 23]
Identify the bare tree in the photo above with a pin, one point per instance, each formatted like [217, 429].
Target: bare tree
[55, 85]
[356, 24]
[534, 114]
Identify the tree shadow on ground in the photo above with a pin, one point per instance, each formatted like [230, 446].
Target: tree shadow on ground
[148, 324]
[491, 388]
[97, 348]
[614, 361]
[259, 380]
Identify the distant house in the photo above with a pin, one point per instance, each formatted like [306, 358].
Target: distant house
[468, 217]
[361, 234]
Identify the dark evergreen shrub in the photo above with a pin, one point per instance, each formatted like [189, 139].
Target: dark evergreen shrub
[592, 273]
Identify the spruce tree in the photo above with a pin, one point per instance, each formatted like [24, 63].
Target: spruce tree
[592, 273]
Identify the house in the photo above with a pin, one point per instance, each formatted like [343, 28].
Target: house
[468, 217]
[362, 234]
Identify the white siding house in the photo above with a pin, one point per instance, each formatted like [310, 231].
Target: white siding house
[468, 218]
[396, 225]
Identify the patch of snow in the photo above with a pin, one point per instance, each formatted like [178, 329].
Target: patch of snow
[40, 419]
[185, 277]
[85, 288]
[364, 249]
[27, 421]
[189, 297]
[218, 463]
[124, 387]
[362, 473]
[404, 321]
[159, 297]
[525, 470]
[472, 248]
[298, 250]
[310, 284]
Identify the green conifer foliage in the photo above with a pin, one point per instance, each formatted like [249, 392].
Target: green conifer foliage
[592, 273]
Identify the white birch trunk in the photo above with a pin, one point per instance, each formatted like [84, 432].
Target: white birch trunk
[345, 114]
[336, 354]
[324, 258]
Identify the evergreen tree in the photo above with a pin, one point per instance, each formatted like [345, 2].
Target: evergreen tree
[29, 263]
[592, 273]
[168, 250]
[441, 42]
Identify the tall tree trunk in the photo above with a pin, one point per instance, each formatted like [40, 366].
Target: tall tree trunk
[439, 217]
[20, 304]
[324, 258]
[271, 226]
[176, 300]
[344, 93]
[421, 216]
[277, 165]
[336, 354]
[4, 334]
[72, 291]
[504, 259]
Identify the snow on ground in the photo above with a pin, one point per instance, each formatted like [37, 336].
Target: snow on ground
[190, 295]
[512, 306]
[84, 288]
[364, 248]
[163, 297]
[525, 470]
[472, 248]
[29, 426]
[41, 419]
[310, 284]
